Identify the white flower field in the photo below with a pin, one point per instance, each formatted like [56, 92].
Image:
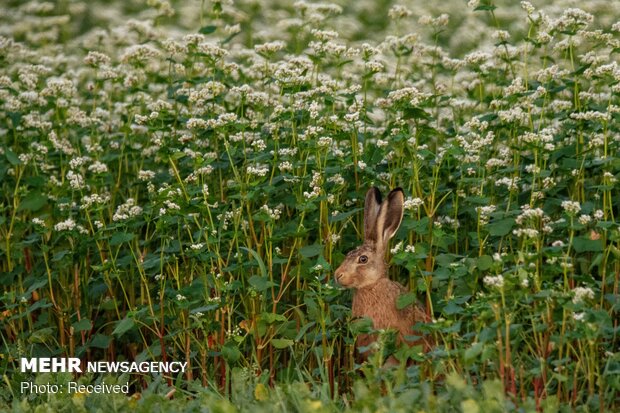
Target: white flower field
[179, 181]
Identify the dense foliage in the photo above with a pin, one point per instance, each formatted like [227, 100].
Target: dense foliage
[178, 182]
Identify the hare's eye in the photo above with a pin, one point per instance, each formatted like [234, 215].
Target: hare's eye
[363, 259]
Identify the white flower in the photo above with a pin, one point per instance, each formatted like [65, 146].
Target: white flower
[324, 35]
[409, 95]
[213, 300]
[274, 213]
[485, 213]
[398, 12]
[510, 183]
[528, 7]
[473, 3]
[196, 123]
[374, 66]
[529, 214]
[76, 181]
[526, 232]
[270, 47]
[145, 175]
[139, 53]
[324, 142]
[398, 247]
[232, 29]
[501, 35]
[66, 225]
[98, 167]
[585, 219]
[172, 205]
[440, 21]
[127, 210]
[608, 176]
[412, 204]
[571, 207]
[573, 17]
[38, 221]
[96, 59]
[285, 166]
[581, 294]
[94, 199]
[257, 170]
[496, 281]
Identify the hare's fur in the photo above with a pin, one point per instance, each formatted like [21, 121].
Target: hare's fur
[364, 270]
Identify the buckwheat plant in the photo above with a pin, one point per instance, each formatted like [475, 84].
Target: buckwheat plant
[179, 179]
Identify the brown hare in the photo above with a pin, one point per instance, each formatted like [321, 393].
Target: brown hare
[365, 270]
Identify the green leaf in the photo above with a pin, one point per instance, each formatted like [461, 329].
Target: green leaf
[205, 308]
[100, 341]
[452, 308]
[207, 29]
[405, 300]
[230, 352]
[444, 260]
[501, 227]
[472, 352]
[259, 283]
[582, 244]
[488, 117]
[123, 326]
[60, 255]
[120, 237]
[304, 329]
[261, 264]
[484, 262]
[271, 318]
[11, 157]
[485, 8]
[361, 325]
[82, 325]
[415, 113]
[42, 335]
[281, 342]
[420, 227]
[310, 250]
[32, 202]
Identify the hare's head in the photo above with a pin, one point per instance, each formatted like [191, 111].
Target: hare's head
[365, 265]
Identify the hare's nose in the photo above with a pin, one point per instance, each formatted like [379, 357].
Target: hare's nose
[338, 275]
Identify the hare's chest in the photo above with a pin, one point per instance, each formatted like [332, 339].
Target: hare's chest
[379, 307]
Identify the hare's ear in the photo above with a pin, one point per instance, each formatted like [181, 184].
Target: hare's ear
[390, 217]
[371, 210]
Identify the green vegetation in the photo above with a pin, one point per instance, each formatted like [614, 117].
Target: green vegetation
[178, 182]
